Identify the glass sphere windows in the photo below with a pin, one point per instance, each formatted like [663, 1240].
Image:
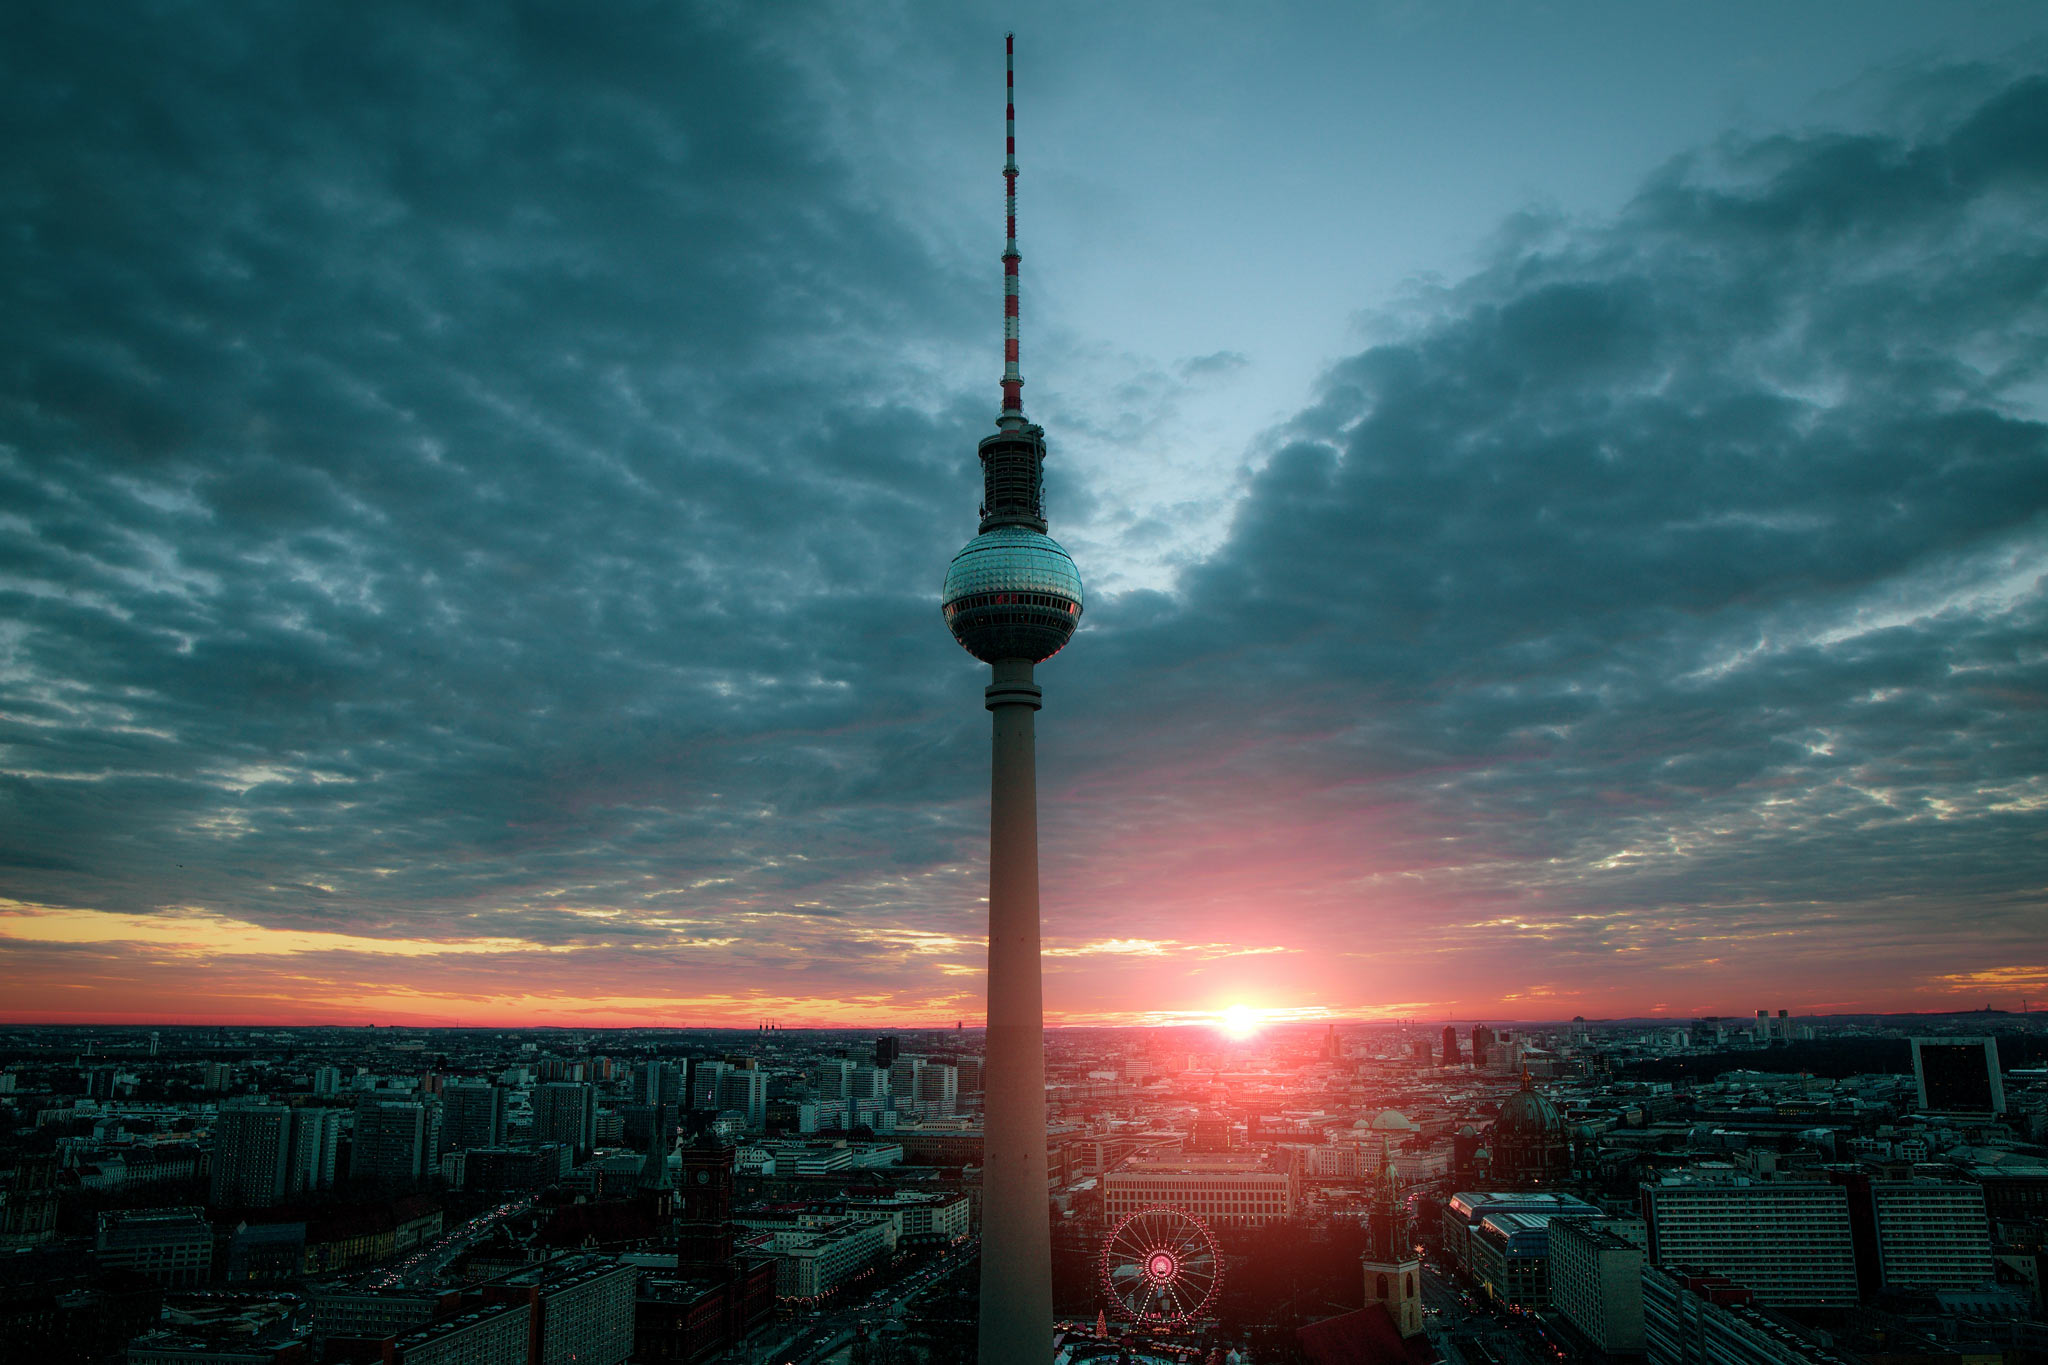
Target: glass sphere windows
[1012, 593]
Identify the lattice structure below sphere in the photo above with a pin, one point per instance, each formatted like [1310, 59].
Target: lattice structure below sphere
[1160, 1265]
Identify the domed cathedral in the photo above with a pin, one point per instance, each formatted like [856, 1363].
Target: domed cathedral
[1529, 1145]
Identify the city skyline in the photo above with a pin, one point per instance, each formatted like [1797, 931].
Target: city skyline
[1560, 498]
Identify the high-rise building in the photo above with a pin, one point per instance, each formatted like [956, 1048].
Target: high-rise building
[472, 1115]
[886, 1048]
[833, 1079]
[1931, 1234]
[1787, 1242]
[316, 1137]
[1596, 1282]
[704, 1080]
[938, 1090]
[251, 1154]
[1012, 598]
[326, 1081]
[1958, 1076]
[746, 1092]
[566, 1112]
[1451, 1057]
[867, 1083]
[658, 1082]
[1482, 1046]
[391, 1143]
[903, 1077]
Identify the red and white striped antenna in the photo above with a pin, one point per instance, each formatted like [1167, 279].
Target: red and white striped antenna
[1013, 382]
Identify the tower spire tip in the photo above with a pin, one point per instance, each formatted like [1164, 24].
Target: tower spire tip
[1013, 379]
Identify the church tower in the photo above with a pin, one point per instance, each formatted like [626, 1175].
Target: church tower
[1393, 1273]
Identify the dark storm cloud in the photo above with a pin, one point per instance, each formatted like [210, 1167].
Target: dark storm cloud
[1693, 560]
[447, 453]
[463, 476]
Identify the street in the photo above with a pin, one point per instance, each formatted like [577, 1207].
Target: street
[827, 1339]
[1468, 1330]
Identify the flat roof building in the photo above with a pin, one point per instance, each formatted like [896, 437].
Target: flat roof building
[1787, 1242]
[173, 1247]
[1228, 1191]
[1464, 1210]
[582, 1308]
[1596, 1283]
[1691, 1317]
[1931, 1234]
[498, 1334]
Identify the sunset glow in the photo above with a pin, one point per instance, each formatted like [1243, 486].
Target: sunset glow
[1544, 556]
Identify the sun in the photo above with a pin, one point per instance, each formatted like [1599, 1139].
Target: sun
[1239, 1021]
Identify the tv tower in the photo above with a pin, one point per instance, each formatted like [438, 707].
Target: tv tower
[1012, 599]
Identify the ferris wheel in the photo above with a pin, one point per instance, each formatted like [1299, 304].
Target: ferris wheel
[1161, 1265]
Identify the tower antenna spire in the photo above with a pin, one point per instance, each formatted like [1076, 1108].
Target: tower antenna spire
[1013, 381]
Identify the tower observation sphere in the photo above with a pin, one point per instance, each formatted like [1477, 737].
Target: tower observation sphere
[1012, 593]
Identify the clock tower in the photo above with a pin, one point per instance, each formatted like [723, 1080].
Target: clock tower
[704, 1208]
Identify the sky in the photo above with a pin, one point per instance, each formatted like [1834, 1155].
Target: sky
[1562, 488]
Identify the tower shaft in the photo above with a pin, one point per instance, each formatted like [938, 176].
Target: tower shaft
[1016, 1237]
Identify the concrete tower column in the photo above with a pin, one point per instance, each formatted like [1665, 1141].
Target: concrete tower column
[1016, 1238]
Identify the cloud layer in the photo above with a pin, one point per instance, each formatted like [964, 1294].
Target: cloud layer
[473, 479]
[1668, 598]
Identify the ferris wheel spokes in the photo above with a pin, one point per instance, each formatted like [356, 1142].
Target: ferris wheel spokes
[1161, 1265]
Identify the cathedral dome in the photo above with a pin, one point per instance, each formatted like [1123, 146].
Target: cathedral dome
[1530, 1140]
[1393, 1121]
[1529, 1116]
